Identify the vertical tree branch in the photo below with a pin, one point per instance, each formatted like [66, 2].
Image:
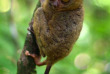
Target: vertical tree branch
[26, 65]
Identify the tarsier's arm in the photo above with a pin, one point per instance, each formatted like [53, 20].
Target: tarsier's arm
[39, 20]
[40, 26]
[40, 23]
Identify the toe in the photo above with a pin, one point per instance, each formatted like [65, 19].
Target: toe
[27, 53]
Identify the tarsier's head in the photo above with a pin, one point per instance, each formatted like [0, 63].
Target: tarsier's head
[65, 4]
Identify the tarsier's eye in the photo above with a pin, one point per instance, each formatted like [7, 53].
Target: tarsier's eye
[65, 1]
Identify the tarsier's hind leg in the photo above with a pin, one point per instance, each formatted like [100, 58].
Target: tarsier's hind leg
[38, 63]
[36, 58]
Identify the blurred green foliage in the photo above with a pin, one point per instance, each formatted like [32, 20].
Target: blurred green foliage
[91, 54]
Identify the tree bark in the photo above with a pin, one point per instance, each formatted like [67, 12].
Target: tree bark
[26, 64]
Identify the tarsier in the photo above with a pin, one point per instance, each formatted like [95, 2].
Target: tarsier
[57, 25]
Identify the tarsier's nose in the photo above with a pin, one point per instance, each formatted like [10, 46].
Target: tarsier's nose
[55, 3]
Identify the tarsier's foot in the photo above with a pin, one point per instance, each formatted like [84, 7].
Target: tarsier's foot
[29, 54]
[36, 58]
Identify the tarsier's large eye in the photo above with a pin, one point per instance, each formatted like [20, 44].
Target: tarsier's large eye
[65, 1]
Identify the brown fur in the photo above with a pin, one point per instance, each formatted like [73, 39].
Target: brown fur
[56, 29]
[56, 37]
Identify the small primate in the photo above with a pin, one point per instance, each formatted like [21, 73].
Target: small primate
[56, 25]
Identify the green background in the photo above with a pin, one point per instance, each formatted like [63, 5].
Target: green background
[90, 55]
